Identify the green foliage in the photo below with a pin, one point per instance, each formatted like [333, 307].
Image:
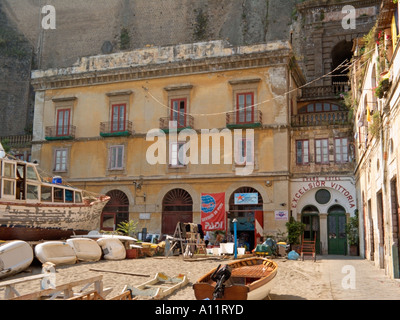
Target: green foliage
[127, 228]
[125, 40]
[294, 230]
[352, 230]
[5, 144]
[200, 26]
[375, 127]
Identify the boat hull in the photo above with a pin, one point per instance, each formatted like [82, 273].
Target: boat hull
[254, 287]
[36, 234]
[36, 221]
[15, 256]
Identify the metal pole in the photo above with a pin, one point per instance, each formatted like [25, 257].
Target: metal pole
[235, 235]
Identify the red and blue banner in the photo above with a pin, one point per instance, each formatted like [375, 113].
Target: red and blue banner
[213, 211]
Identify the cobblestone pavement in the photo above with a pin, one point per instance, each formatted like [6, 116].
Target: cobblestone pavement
[333, 278]
[354, 278]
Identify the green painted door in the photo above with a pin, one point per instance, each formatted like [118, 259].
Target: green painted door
[337, 232]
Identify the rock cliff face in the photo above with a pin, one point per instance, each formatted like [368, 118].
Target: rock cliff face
[93, 27]
[16, 104]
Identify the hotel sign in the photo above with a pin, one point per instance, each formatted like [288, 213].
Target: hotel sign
[327, 182]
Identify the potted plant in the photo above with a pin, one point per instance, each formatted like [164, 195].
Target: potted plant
[294, 230]
[128, 228]
[352, 234]
[382, 88]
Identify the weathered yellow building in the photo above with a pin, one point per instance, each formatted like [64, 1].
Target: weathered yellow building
[104, 125]
[375, 74]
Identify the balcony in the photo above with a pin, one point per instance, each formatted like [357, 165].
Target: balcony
[60, 133]
[116, 129]
[252, 118]
[321, 119]
[324, 92]
[185, 122]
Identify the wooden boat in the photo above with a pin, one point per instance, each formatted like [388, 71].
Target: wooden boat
[113, 248]
[159, 287]
[32, 209]
[57, 252]
[15, 256]
[85, 249]
[247, 279]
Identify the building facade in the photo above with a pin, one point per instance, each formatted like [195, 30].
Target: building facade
[155, 128]
[376, 76]
[322, 187]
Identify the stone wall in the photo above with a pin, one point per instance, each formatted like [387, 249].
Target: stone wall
[16, 107]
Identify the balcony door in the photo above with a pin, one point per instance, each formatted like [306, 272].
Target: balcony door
[118, 117]
[63, 122]
[245, 108]
[178, 112]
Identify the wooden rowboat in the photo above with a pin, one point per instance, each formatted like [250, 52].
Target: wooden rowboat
[159, 287]
[247, 279]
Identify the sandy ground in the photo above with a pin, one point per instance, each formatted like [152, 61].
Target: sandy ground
[295, 279]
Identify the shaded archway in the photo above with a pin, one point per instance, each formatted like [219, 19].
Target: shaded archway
[116, 210]
[310, 218]
[177, 206]
[340, 53]
[249, 214]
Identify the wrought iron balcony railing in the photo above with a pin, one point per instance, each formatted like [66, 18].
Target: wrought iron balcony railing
[184, 122]
[250, 118]
[324, 92]
[321, 119]
[60, 133]
[116, 129]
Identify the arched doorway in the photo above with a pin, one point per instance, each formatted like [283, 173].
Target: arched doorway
[310, 218]
[337, 243]
[116, 210]
[177, 206]
[249, 214]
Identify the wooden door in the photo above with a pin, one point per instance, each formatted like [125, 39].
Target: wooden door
[337, 243]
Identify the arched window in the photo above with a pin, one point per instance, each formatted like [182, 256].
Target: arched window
[177, 206]
[116, 210]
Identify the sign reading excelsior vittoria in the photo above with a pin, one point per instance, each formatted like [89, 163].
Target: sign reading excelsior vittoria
[323, 182]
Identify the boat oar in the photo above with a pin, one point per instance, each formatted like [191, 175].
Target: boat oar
[121, 272]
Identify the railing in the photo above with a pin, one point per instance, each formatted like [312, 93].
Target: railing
[245, 118]
[321, 119]
[113, 128]
[331, 91]
[60, 133]
[17, 140]
[185, 121]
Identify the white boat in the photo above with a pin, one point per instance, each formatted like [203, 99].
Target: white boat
[33, 209]
[113, 248]
[15, 256]
[96, 235]
[57, 252]
[86, 250]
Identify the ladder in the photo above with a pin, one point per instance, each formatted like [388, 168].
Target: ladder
[308, 247]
